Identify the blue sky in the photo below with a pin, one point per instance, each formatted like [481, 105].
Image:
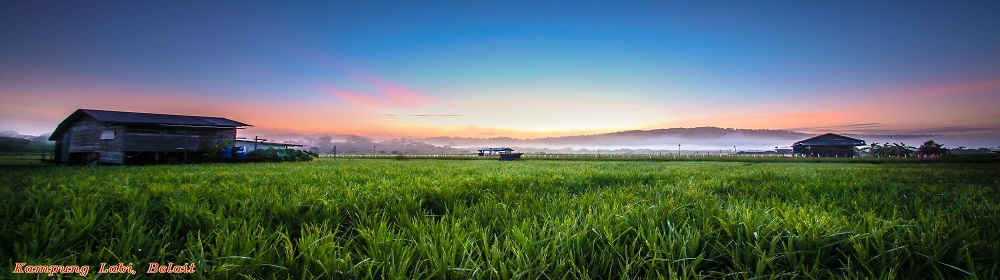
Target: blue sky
[515, 68]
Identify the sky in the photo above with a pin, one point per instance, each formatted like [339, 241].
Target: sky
[509, 68]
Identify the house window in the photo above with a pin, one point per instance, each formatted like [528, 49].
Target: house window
[108, 135]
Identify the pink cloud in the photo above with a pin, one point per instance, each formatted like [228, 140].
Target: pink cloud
[358, 98]
[387, 95]
[398, 98]
[395, 92]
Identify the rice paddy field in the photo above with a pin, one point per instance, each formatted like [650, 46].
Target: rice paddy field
[532, 219]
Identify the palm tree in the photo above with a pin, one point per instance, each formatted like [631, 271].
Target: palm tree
[889, 150]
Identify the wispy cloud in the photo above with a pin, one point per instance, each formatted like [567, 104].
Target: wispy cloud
[910, 91]
[918, 132]
[421, 115]
[953, 89]
[791, 120]
[861, 128]
[394, 91]
[380, 92]
[851, 126]
[957, 130]
[386, 97]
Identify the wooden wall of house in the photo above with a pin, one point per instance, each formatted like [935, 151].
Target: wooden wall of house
[171, 139]
[85, 136]
[62, 150]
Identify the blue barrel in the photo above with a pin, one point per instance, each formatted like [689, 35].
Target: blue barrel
[226, 152]
[240, 152]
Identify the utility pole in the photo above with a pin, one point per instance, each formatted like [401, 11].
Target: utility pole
[257, 140]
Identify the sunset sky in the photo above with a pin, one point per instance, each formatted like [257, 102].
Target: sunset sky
[510, 68]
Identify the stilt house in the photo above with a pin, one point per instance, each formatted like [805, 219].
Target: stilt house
[88, 136]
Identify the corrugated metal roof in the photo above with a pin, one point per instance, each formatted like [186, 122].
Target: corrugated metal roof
[248, 142]
[149, 118]
[145, 119]
[496, 149]
[831, 139]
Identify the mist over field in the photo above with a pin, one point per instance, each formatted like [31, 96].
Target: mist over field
[692, 140]
[701, 140]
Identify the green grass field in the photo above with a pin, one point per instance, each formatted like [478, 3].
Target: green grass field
[548, 219]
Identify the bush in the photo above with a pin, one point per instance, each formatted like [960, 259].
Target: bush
[279, 155]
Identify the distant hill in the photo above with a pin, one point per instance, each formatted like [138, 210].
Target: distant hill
[698, 138]
[12, 142]
[654, 140]
[15, 145]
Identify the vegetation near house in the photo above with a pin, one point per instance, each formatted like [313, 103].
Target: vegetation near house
[280, 155]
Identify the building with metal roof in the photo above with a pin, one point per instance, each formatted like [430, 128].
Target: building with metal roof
[828, 145]
[506, 154]
[492, 151]
[88, 136]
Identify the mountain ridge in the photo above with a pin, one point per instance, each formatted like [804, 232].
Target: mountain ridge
[696, 138]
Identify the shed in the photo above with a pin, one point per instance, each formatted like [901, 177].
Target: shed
[506, 154]
[828, 145]
[494, 151]
[89, 135]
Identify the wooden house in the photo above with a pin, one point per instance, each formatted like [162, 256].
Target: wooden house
[828, 145]
[88, 136]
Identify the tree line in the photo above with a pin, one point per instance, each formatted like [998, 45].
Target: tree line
[900, 150]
